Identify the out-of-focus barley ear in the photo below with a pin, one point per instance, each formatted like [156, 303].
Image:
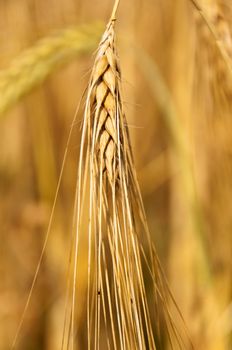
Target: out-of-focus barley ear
[34, 65]
[214, 58]
[123, 267]
[218, 29]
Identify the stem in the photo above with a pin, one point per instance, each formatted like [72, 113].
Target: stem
[113, 16]
[195, 3]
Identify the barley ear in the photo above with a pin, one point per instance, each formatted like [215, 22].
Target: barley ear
[122, 261]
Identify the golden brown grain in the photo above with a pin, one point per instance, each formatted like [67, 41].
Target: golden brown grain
[117, 302]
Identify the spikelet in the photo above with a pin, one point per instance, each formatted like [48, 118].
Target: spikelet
[121, 256]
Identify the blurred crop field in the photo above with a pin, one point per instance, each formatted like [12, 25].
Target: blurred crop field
[177, 89]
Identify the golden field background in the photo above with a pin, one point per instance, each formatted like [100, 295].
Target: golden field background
[178, 99]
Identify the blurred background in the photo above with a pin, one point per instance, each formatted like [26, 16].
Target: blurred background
[177, 88]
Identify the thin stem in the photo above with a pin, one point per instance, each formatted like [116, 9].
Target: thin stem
[113, 16]
[195, 3]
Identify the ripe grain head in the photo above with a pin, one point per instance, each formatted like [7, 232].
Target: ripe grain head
[122, 261]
